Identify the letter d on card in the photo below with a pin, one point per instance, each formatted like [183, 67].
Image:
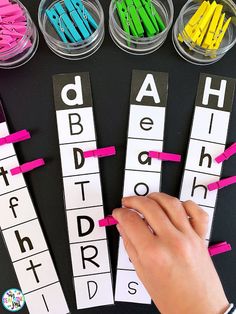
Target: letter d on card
[82, 190]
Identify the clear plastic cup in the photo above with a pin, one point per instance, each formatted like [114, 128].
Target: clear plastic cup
[25, 48]
[72, 51]
[143, 45]
[198, 55]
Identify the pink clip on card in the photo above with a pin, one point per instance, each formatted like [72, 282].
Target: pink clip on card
[219, 248]
[107, 221]
[28, 166]
[15, 137]
[226, 154]
[165, 156]
[222, 183]
[101, 152]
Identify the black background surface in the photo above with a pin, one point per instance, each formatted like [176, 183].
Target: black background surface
[28, 101]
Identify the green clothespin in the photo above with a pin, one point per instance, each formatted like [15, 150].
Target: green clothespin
[125, 19]
[148, 8]
[153, 14]
[135, 18]
[149, 27]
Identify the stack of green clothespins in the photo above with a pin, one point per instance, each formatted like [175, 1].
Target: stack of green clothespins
[139, 18]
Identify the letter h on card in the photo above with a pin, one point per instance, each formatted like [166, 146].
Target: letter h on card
[207, 140]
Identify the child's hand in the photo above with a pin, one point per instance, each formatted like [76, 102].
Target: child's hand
[172, 261]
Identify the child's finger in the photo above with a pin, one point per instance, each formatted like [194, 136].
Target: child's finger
[134, 227]
[130, 249]
[174, 210]
[198, 218]
[152, 212]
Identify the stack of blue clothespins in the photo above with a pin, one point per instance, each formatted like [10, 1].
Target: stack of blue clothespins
[71, 21]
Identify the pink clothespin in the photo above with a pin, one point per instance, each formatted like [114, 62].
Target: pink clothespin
[219, 248]
[19, 27]
[15, 137]
[14, 35]
[165, 156]
[15, 18]
[101, 152]
[28, 166]
[7, 56]
[226, 154]
[222, 183]
[5, 41]
[10, 10]
[107, 221]
[3, 3]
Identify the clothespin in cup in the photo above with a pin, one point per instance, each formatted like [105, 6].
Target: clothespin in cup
[10, 10]
[204, 23]
[220, 33]
[67, 22]
[125, 19]
[77, 19]
[54, 20]
[213, 26]
[191, 27]
[5, 41]
[4, 3]
[16, 18]
[154, 15]
[135, 18]
[85, 15]
[147, 23]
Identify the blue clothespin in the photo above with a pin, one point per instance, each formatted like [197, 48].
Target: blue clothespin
[86, 15]
[67, 21]
[59, 26]
[54, 19]
[76, 18]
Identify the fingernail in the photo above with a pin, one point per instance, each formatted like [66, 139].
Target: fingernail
[114, 213]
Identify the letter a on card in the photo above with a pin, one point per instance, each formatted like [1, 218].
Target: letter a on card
[207, 140]
[142, 174]
[82, 190]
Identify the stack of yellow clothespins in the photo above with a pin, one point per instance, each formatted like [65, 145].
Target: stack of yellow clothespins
[207, 27]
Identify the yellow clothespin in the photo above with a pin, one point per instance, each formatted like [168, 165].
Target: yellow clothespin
[207, 16]
[220, 35]
[190, 27]
[217, 32]
[202, 34]
[213, 26]
[201, 27]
